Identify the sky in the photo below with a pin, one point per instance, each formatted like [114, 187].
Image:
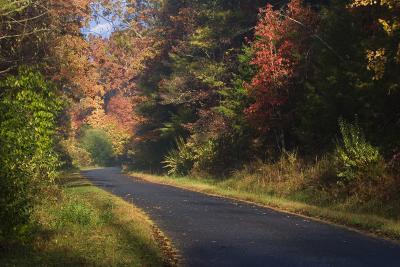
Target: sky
[104, 22]
[99, 27]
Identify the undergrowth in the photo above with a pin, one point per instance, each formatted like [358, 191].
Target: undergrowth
[82, 225]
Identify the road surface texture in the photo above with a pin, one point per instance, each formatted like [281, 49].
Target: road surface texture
[213, 231]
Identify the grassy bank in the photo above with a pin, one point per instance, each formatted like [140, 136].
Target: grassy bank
[82, 225]
[242, 189]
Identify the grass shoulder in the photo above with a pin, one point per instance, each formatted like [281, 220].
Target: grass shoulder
[363, 222]
[82, 225]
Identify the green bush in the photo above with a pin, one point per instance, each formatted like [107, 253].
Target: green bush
[179, 161]
[96, 142]
[29, 108]
[356, 158]
[213, 157]
[206, 158]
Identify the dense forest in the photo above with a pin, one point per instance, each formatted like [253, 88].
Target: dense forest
[295, 96]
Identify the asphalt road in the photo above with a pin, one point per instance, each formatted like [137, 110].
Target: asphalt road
[213, 231]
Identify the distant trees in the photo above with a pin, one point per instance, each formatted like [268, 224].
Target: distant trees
[196, 65]
[96, 142]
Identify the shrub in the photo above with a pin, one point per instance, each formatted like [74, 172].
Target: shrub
[206, 158]
[29, 108]
[282, 177]
[356, 158]
[179, 161]
[218, 157]
[214, 157]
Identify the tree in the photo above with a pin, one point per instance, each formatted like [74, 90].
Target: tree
[198, 44]
[281, 53]
[355, 77]
[36, 37]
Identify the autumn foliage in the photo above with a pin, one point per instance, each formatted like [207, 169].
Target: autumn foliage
[281, 50]
[203, 88]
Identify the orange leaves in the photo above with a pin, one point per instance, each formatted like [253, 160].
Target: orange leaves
[120, 59]
[121, 109]
[75, 8]
[75, 68]
[280, 48]
[106, 71]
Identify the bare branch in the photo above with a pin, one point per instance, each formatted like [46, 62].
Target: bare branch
[20, 21]
[23, 34]
[314, 35]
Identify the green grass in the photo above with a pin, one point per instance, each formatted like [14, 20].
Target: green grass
[85, 226]
[367, 223]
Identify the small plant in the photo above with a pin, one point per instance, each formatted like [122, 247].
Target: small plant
[355, 157]
[179, 161]
[75, 213]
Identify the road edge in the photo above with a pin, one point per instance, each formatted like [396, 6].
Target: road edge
[363, 232]
[171, 255]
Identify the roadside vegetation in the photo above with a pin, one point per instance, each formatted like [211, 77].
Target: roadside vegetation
[82, 225]
[274, 102]
[292, 100]
[368, 215]
[352, 186]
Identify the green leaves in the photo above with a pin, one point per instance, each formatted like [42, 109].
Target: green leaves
[356, 158]
[179, 161]
[96, 142]
[29, 109]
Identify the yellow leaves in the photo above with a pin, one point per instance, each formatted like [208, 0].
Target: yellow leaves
[119, 137]
[389, 3]
[201, 38]
[96, 117]
[376, 62]
[357, 3]
[8, 6]
[398, 55]
[388, 27]
[386, 15]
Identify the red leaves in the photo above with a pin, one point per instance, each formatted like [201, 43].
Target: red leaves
[280, 48]
[121, 109]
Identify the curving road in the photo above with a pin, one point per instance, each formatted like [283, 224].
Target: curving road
[213, 231]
